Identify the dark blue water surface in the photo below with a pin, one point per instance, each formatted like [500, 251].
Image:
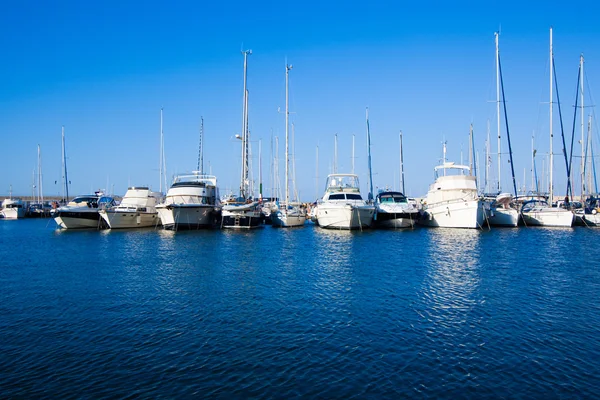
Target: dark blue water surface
[305, 312]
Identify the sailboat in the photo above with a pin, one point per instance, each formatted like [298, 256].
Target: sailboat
[500, 212]
[38, 208]
[243, 212]
[287, 215]
[539, 212]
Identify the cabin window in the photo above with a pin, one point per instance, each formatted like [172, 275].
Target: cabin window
[339, 196]
[353, 196]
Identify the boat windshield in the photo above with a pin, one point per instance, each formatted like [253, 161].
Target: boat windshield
[393, 198]
[84, 199]
[342, 182]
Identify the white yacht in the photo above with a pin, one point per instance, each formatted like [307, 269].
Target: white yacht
[452, 200]
[500, 212]
[342, 206]
[13, 209]
[136, 210]
[83, 212]
[539, 213]
[192, 202]
[393, 210]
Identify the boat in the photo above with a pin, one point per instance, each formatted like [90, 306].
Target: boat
[38, 208]
[192, 202]
[393, 210]
[83, 212]
[243, 211]
[540, 212]
[136, 210]
[342, 206]
[287, 215]
[500, 211]
[452, 200]
[13, 208]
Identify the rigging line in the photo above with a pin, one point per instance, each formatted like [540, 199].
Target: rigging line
[512, 166]
[570, 163]
[562, 132]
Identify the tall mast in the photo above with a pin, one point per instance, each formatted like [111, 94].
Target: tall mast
[64, 168]
[287, 140]
[260, 185]
[40, 185]
[201, 148]
[498, 107]
[533, 180]
[402, 163]
[317, 174]
[369, 150]
[581, 83]
[160, 168]
[551, 197]
[296, 197]
[487, 159]
[244, 128]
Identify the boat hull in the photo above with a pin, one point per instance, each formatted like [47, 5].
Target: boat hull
[13, 213]
[505, 217]
[468, 214]
[187, 217]
[280, 219]
[553, 217]
[129, 220]
[80, 220]
[344, 216]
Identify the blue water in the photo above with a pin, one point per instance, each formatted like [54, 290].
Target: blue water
[306, 312]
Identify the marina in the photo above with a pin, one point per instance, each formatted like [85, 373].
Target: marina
[402, 207]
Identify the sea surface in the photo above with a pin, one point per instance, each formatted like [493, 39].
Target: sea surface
[287, 313]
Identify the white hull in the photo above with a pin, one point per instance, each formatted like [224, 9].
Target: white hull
[78, 223]
[12, 213]
[344, 216]
[556, 217]
[128, 220]
[458, 214]
[508, 217]
[289, 220]
[188, 216]
[589, 219]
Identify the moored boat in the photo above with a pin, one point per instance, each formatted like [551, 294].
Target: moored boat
[136, 210]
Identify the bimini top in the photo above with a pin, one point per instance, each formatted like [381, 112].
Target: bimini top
[391, 197]
[451, 165]
[342, 183]
[194, 178]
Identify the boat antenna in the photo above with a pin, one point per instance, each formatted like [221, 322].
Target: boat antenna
[201, 148]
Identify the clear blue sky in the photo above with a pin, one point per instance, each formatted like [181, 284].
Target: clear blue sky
[105, 70]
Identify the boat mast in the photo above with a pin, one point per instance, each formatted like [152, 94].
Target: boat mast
[402, 164]
[369, 150]
[244, 176]
[581, 82]
[287, 134]
[296, 196]
[317, 174]
[260, 185]
[487, 159]
[64, 167]
[40, 185]
[471, 150]
[160, 168]
[551, 196]
[496, 34]
[201, 148]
